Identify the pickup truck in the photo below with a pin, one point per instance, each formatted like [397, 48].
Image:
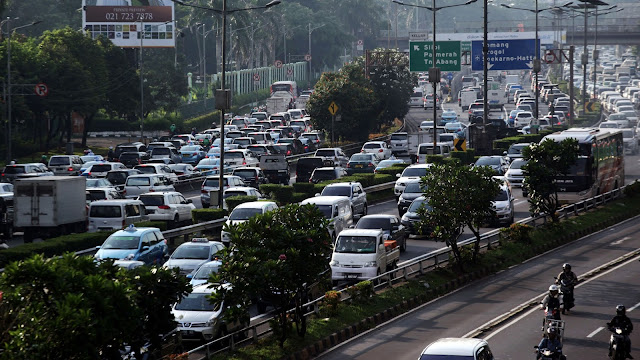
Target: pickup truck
[362, 254]
[275, 168]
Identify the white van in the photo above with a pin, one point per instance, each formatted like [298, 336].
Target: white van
[417, 98]
[425, 149]
[337, 209]
[109, 215]
[140, 184]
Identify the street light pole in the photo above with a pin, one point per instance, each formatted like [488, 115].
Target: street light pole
[310, 31]
[141, 85]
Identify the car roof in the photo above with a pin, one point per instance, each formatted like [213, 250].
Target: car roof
[133, 230]
[114, 201]
[162, 193]
[325, 200]
[344, 183]
[255, 205]
[240, 188]
[454, 346]
[365, 232]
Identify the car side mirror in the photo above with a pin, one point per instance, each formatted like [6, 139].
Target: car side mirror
[317, 194]
[189, 276]
[145, 248]
[398, 176]
[189, 201]
[504, 153]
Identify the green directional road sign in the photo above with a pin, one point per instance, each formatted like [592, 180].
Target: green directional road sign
[447, 55]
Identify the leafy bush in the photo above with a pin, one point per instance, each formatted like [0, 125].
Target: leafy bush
[283, 194]
[465, 157]
[392, 170]
[517, 233]
[268, 190]
[331, 301]
[306, 188]
[632, 190]
[203, 215]
[435, 159]
[299, 197]
[54, 247]
[162, 225]
[234, 201]
[361, 292]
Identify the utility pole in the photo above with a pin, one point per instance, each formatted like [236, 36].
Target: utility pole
[141, 85]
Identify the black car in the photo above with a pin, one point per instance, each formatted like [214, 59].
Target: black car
[412, 191]
[411, 219]
[327, 173]
[390, 225]
[129, 147]
[298, 147]
[119, 177]
[305, 167]
[284, 149]
[252, 176]
[131, 159]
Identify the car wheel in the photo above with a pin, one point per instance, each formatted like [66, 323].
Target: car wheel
[262, 307]
[365, 210]
[403, 246]
[205, 205]
[175, 222]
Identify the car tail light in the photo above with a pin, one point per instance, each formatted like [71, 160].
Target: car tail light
[194, 154]
[348, 165]
[380, 150]
[151, 190]
[311, 181]
[139, 161]
[288, 152]
[70, 169]
[244, 163]
[163, 207]
[256, 178]
[370, 165]
[123, 223]
[88, 174]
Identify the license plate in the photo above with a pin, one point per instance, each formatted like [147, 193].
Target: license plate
[351, 276]
[359, 166]
[185, 155]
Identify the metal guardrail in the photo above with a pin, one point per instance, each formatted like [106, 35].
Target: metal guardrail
[417, 266]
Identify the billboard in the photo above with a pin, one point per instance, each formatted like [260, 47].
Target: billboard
[130, 23]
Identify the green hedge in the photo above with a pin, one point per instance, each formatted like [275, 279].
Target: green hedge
[202, 215]
[464, 157]
[234, 201]
[393, 170]
[306, 188]
[54, 247]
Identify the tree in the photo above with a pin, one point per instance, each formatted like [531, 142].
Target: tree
[393, 84]
[545, 162]
[280, 253]
[73, 308]
[459, 197]
[356, 100]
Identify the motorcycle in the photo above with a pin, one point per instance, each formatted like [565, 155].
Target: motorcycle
[616, 344]
[546, 354]
[567, 294]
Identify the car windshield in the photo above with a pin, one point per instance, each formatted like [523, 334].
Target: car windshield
[609, 125]
[160, 151]
[337, 191]
[152, 200]
[399, 136]
[59, 160]
[446, 357]
[244, 213]
[121, 242]
[129, 156]
[196, 302]
[189, 148]
[258, 150]
[245, 173]
[502, 196]
[235, 193]
[146, 169]
[105, 211]
[138, 181]
[14, 170]
[100, 168]
[488, 161]
[374, 223]
[356, 244]
[91, 183]
[325, 152]
[233, 155]
[517, 164]
[413, 187]
[617, 117]
[240, 141]
[192, 252]
[414, 171]
[324, 174]
[416, 204]
[214, 182]
[387, 163]
[205, 270]
[361, 157]
[516, 150]
[372, 146]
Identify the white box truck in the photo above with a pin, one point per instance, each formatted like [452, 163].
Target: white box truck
[50, 206]
[278, 103]
[362, 254]
[512, 79]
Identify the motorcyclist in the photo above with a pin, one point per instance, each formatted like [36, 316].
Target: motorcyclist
[111, 154]
[551, 342]
[553, 301]
[567, 280]
[624, 323]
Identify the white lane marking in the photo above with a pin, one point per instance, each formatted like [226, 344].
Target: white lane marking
[536, 299]
[618, 242]
[595, 331]
[521, 202]
[382, 203]
[194, 197]
[633, 307]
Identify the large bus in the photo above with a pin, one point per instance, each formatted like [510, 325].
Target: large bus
[599, 167]
[287, 86]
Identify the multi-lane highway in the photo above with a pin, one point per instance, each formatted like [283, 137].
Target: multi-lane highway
[466, 311]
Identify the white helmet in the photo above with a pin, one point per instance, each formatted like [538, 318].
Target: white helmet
[554, 289]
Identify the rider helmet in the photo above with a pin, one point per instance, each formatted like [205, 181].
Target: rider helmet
[621, 310]
[566, 267]
[552, 331]
[554, 290]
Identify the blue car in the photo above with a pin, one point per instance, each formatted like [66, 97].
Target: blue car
[448, 116]
[141, 244]
[192, 154]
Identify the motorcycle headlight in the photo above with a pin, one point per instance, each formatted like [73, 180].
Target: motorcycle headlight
[370, 264]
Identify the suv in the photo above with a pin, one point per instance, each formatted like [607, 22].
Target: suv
[334, 154]
[158, 169]
[166, 152]
[167, 206]
[211, 183]
[244, 212]
[522, 119]
[316, 138]
[144, 244]
[65, 164]
[239, 157]
[119, 177]
[399, 143]
[100, 170]
[408, 174]
[305, 167]
[352, 190]
[140, 184]
[131, 159]
[18, 171]
[457, 348]
[327, 173]
[252, 176]
[190, 255]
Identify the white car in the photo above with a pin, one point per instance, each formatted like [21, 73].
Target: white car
[201, 275]
[334, 154]
[167, 206]
[244, 212]
[630, 141]
[457, 348]
[522, 119]
[410, 173]
[426, 126]
[200, 319]
[514, 174]
[503, 205]
[378, 148]
[190, 255]
[162, 169]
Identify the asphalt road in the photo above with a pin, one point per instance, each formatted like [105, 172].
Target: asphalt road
[477, 304]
